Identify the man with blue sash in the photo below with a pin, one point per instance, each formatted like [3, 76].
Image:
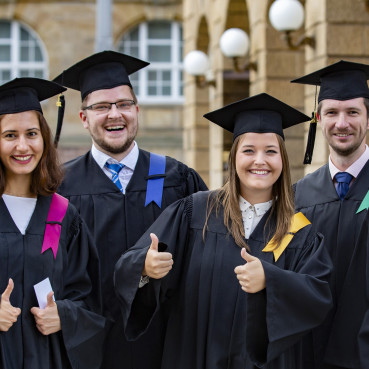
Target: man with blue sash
[119, 189]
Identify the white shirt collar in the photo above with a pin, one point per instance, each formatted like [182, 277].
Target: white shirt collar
[129, 161]
[355, 168]
[260, 209]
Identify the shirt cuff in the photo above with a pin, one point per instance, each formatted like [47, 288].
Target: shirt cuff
[143, 281]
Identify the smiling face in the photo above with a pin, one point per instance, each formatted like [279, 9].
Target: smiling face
[113, 132]
[21, 143]
[258, 165]
[344, 125]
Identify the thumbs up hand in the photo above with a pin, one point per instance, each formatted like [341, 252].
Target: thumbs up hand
[47, 320]
[157, 264]
[8, 313]
[250, 275]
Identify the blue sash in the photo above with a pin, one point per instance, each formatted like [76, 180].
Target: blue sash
[155, 181]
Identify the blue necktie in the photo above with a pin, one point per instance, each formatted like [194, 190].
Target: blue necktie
[114, 169]
[343, 181]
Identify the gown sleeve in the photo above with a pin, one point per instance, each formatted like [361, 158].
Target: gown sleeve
[80, 306]
[363, 339]
[295, 300]
[194, 182]
[139, 305]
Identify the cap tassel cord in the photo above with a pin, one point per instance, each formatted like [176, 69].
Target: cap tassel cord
[311, 139]
[61, 107]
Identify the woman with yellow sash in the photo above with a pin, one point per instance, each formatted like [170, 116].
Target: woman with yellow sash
[241, 276]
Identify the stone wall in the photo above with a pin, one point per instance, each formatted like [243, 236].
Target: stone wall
[67, 30]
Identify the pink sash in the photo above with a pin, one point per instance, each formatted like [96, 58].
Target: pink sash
[58, 208]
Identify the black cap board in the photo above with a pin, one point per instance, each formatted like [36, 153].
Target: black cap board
[261, 113]
[100, 71]
[339, 81]
[23, 94]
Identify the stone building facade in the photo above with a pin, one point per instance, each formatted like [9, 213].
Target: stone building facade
[340, 29]
[66, 30]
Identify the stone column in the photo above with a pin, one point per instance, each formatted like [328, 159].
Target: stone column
[195, 127]
[103, 40]
[277, 65]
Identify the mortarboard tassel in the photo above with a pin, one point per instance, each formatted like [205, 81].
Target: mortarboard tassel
[311, 140]
[61, 106]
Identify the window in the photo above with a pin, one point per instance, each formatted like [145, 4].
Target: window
[160, 43]
[21, 52]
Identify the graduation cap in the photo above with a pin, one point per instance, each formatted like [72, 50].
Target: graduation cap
[260, 114]
[103, 70]
[339, 81]
[23, 94]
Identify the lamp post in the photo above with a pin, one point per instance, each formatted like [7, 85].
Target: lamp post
[287, 16]
[235, 43]
[197, 64]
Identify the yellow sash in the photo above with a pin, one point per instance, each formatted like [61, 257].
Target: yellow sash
[299, 221]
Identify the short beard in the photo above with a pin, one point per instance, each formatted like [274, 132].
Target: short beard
[115, 150]
[345, 152]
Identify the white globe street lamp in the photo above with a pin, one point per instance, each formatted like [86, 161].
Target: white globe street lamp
[197, 64]
[234, 42]
[287, 16]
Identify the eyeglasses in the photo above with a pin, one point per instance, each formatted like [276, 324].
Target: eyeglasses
[102, 108]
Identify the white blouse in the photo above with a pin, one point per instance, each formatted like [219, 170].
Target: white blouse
[20, 209]
[252, 214]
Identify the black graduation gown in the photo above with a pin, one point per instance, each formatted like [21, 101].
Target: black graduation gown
[117, 221]
[335, 342]
[213, 324]
[74, 277]
[364, 331]
[364, 343]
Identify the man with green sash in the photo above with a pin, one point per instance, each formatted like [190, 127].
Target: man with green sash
[335, 199]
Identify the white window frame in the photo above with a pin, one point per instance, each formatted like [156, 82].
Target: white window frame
[15, 65]
[175, 66]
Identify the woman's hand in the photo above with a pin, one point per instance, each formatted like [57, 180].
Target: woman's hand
[250, 275]
[47, 320]
[157, 264]
[8, 313]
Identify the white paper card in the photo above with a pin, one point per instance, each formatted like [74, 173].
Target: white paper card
[42, 289]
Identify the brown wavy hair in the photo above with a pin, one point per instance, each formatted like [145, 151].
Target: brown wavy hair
[228, 198]
[48, 174]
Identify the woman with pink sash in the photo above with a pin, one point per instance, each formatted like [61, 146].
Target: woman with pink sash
[49, 275]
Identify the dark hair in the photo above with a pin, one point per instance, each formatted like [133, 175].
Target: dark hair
[366, 103]
[228, 197]
[48, 174]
